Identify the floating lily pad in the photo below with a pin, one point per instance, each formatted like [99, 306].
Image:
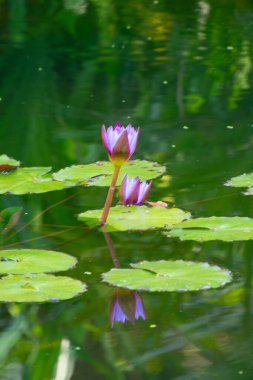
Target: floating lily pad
[39, 288]
[5, 160]
[100, 173]
[214, 228]
[29, 180]
[244, 180]
[22, 261]
[167, 276]
[123, 218]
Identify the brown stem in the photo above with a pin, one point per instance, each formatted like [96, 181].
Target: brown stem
[109, 197]
[111, 248]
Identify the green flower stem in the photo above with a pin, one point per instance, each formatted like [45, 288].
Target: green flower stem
[109, 197]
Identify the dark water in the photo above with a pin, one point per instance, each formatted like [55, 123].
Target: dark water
[183, 72]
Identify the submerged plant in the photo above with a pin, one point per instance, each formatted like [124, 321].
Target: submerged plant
[126, 306]
[133, 191]
[120, 143]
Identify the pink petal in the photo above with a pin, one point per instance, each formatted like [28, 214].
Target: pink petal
[105, 139]
[132, 138]
[144, 189]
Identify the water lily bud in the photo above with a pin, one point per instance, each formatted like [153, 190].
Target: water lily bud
[120, 142]
[132, 191]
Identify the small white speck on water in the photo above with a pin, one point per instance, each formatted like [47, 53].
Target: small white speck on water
[40, 68]
[185, 127]
[230, 127]
[153, 326]
[87, 273]
[165, 82]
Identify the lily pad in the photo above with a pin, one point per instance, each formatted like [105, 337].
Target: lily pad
[39, 288]
[168, 276]
[5, 160]
[29, 180]
[214, 228]
[100, 173]
[123, 218]
[244, 180]
[22, 261]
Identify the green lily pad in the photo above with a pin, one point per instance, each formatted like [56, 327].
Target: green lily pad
[29, 180]
[214, 228]
[244, 180]
[22, 261]
[5, 160]
[168, 276]
[123, 218]
[39, 288]
[100, 173]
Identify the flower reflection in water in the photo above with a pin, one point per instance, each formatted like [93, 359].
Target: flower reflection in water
[126, 305]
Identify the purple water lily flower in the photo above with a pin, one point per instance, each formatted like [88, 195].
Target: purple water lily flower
[133, 191]
[126, 306]
[120, 142]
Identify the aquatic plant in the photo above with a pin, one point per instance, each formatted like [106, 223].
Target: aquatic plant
[132, 191]
[120, 143]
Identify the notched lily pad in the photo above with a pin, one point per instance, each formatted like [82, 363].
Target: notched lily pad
[29, 180]
[168, 276]
[99, 173]
[39, 288]
[22, 261]
[123, 218]
[214, 228]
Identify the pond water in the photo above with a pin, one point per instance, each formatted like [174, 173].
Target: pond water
[182, 71]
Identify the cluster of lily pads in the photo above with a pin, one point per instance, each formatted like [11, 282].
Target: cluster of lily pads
[158, 275]
[26, 277]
